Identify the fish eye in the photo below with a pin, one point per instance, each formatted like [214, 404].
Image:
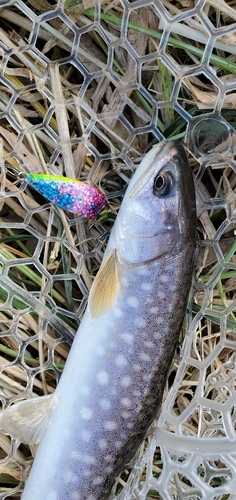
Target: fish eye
[162, 184]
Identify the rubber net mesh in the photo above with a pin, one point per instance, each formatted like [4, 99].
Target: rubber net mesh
[85, 89]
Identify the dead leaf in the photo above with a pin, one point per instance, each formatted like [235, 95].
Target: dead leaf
[207, 99]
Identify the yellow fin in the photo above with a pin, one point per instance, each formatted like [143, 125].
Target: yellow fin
[27, 421]
[103, 294]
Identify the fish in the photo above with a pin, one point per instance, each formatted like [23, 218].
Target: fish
[69, 194]
[113, 381]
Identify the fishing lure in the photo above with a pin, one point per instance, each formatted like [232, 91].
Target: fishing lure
[71, 195]
[113, 381]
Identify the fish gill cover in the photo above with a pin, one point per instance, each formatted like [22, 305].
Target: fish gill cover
[85, 89]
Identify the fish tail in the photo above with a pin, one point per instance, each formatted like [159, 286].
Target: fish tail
[28, 420]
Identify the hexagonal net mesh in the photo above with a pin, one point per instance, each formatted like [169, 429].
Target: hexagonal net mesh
[85, 88]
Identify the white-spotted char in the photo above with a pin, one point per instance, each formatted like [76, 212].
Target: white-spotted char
[114, 377]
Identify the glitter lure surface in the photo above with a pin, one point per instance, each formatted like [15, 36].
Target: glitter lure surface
[69, 194]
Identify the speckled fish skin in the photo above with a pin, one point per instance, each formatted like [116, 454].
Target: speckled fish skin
[69, 194]
[114, 378]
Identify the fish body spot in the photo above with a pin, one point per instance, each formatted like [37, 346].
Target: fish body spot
[102, 377]
[86, 472]
[127, 337]
[86, 435]
[132, 301]
[154, 310]
[125, 282]
[140, 322]
[75, 495]
[88, 459]
[120, 360]
[105, 404]
[118, 444]
[86, 413]
[126, 381]
[143, 271]
[125, 414]
[69, 476]
[146, 287]
[126, 402]
[102, 444]
[148, 343]
[85, 390]
[117, 312]
[98, 480]
[108, 469]
[110, 425]
[164, 278]
[144, 356]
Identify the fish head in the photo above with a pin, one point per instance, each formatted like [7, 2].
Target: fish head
[158, 213]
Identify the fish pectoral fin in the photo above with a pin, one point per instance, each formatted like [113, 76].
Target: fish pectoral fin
[27, 420]
[103, 294]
